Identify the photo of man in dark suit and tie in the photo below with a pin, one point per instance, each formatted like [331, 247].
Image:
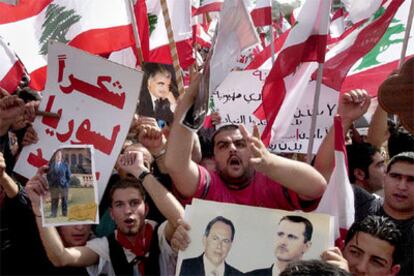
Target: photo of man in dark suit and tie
[217, 240]
[58, 178]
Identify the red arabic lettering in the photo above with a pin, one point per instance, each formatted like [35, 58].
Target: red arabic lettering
[51, 121]
[37, 160]
[63, 137]
[99, 92]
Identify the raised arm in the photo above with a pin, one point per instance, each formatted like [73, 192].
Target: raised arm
[57, 253]
[352, 105]
[183, 171]
[378, 128]
[133, 163]
[297, 176]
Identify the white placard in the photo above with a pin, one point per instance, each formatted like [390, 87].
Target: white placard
[239, 96]
[96, 100]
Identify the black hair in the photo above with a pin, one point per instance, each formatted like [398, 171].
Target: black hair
[223, 220]
[360, 156]
[299, 219]
[313, 267]
[404, 157]
[400, 140]
[379, 227]
[221, 129]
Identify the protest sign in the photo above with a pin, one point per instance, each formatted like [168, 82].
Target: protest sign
[95, 99]
[73, 194]
[240, 94]
[259, 235]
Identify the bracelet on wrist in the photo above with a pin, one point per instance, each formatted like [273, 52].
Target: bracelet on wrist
[142, 176]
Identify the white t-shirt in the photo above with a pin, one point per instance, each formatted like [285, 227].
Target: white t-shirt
[167, 258]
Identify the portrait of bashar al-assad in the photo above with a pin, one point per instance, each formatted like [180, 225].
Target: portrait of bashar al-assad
[293, 240]
[217, 241]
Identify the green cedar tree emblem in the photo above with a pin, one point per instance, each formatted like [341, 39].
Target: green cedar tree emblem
[57, 23]
[152, 21]
[371, 59]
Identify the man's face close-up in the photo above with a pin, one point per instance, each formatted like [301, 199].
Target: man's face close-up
[399, 190]
[128, 210]
[218, 243]
[75, 235]
[231, 154]
[368, 255]
[159, 85]
[290, 241]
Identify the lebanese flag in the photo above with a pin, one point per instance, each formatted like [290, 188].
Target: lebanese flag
[371, 70]
[262, 13]
[209, 6]
[180, 15]
[354, 46]
[338, 198]
[298, 59]
[11, 69]
[96, 26]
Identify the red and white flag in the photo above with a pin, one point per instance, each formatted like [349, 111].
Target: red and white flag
[180, 15]
[371, 70]
[235, 33]
[11, 69]
[287, 81]
[338, 198]
[205, 6]
[96, 26]
[354, 46]
[262, 13]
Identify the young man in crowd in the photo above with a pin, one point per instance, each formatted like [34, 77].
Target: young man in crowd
[371, 248]
[137, 245]
[246, 172]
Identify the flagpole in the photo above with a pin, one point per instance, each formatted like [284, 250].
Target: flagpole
[407, 34]
[315, 112]
[173, 46]
[135, 30]
[272, 33]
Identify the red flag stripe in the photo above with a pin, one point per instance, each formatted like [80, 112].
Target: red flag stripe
[370, 79]
[25, 9]
[162, 54]
[38, 78]
[209, 8]
[12, 78]
[262, 16]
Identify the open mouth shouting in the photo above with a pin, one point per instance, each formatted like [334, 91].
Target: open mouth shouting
[234, 162]
[129, 222]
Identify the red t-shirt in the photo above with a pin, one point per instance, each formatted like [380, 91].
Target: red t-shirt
[261, 192]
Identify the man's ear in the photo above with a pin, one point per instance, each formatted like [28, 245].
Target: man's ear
[359, 174]
[395, 269]
[308, 244]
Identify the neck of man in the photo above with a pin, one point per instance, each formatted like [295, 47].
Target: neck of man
[281, 265]
[397, 215]
[236, 183]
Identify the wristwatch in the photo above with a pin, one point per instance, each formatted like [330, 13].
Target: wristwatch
[142, 176]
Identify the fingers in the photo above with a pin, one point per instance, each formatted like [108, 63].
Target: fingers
[256, 132]
[30, 137]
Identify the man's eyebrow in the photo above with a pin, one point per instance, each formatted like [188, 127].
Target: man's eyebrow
[356, 247]
[380, 259]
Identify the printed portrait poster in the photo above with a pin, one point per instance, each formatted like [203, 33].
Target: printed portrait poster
[159, 93]
[261, 237]
[72, 196]
[95, 100]
[240, 94]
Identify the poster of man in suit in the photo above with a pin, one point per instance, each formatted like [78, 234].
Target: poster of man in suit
[159, 92]
[252, 240]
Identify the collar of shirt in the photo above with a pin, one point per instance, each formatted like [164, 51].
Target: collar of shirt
[275, 270]
[209, 267]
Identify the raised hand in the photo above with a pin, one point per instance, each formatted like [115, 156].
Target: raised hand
[353, 104]
[257, 148]
[132, 162]
[36, 187]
